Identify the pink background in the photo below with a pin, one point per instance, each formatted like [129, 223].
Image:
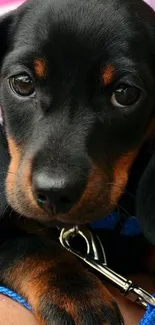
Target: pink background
[6, 5]
[151, 3]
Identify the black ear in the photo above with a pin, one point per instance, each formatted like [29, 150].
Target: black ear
[4, 162]
[6, 28]
[6, 24]
[146, 201]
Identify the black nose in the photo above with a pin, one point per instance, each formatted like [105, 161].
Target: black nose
[56, 194]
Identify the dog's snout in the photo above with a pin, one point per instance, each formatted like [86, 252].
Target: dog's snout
[56, 194]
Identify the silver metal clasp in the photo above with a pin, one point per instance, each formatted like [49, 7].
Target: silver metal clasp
[95, 257]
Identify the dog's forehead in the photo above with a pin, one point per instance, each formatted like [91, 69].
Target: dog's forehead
[84, 23]
[70, 31]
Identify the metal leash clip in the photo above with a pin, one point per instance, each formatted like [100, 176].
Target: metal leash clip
[96, 258]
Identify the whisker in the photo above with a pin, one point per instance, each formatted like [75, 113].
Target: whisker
[20, 216]
[122, 208]
[11, 213]
[44, 228]
[126, 191]
[130, 194]
[3, 212]
[107, 209]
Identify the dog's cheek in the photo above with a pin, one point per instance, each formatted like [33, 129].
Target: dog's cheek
[121, 170]
[25, 181]
[25, 186]
[150, 132]
[107, 184]
[18, 185]
[96, 187]
[15, 155]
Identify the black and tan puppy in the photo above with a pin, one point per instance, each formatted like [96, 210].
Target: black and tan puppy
[77, 93]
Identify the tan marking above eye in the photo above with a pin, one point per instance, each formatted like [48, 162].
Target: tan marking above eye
[40, 67]
[108, 75]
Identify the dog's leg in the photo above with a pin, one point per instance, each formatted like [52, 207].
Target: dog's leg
[55, 284]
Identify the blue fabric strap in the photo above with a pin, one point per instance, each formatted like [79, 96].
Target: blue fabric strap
[13, 295]
[149, 317]
[130, 228]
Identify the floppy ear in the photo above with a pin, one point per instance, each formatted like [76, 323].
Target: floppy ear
[4, 162]
[5, 34]
[145, 203]
[6, 23]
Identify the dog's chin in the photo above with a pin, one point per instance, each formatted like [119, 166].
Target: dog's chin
[80, 214]
[74, 217]
[64, 220]
[80, 219]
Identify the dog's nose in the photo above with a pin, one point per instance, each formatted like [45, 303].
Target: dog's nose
[57, 195]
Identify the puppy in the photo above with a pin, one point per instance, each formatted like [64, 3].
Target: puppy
[77, 96]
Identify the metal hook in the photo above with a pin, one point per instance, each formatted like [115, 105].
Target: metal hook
[94, 247]
[96, 258]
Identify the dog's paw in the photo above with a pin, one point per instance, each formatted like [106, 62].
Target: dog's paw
[80, 299]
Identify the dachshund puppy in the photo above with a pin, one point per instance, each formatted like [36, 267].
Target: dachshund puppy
[77, 97]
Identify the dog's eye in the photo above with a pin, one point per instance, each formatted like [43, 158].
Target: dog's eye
[125, 95]
[22, 85]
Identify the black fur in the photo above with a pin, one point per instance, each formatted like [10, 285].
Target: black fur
[146, 201]
[70, 133]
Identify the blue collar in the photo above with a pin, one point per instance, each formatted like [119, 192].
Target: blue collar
[130, 227]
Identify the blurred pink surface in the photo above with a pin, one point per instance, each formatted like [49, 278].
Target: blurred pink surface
[7, 5]
[151, 3]
[8, 2]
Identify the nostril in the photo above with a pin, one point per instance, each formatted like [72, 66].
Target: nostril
[64, 200]
[44, 203]
[55, 195]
